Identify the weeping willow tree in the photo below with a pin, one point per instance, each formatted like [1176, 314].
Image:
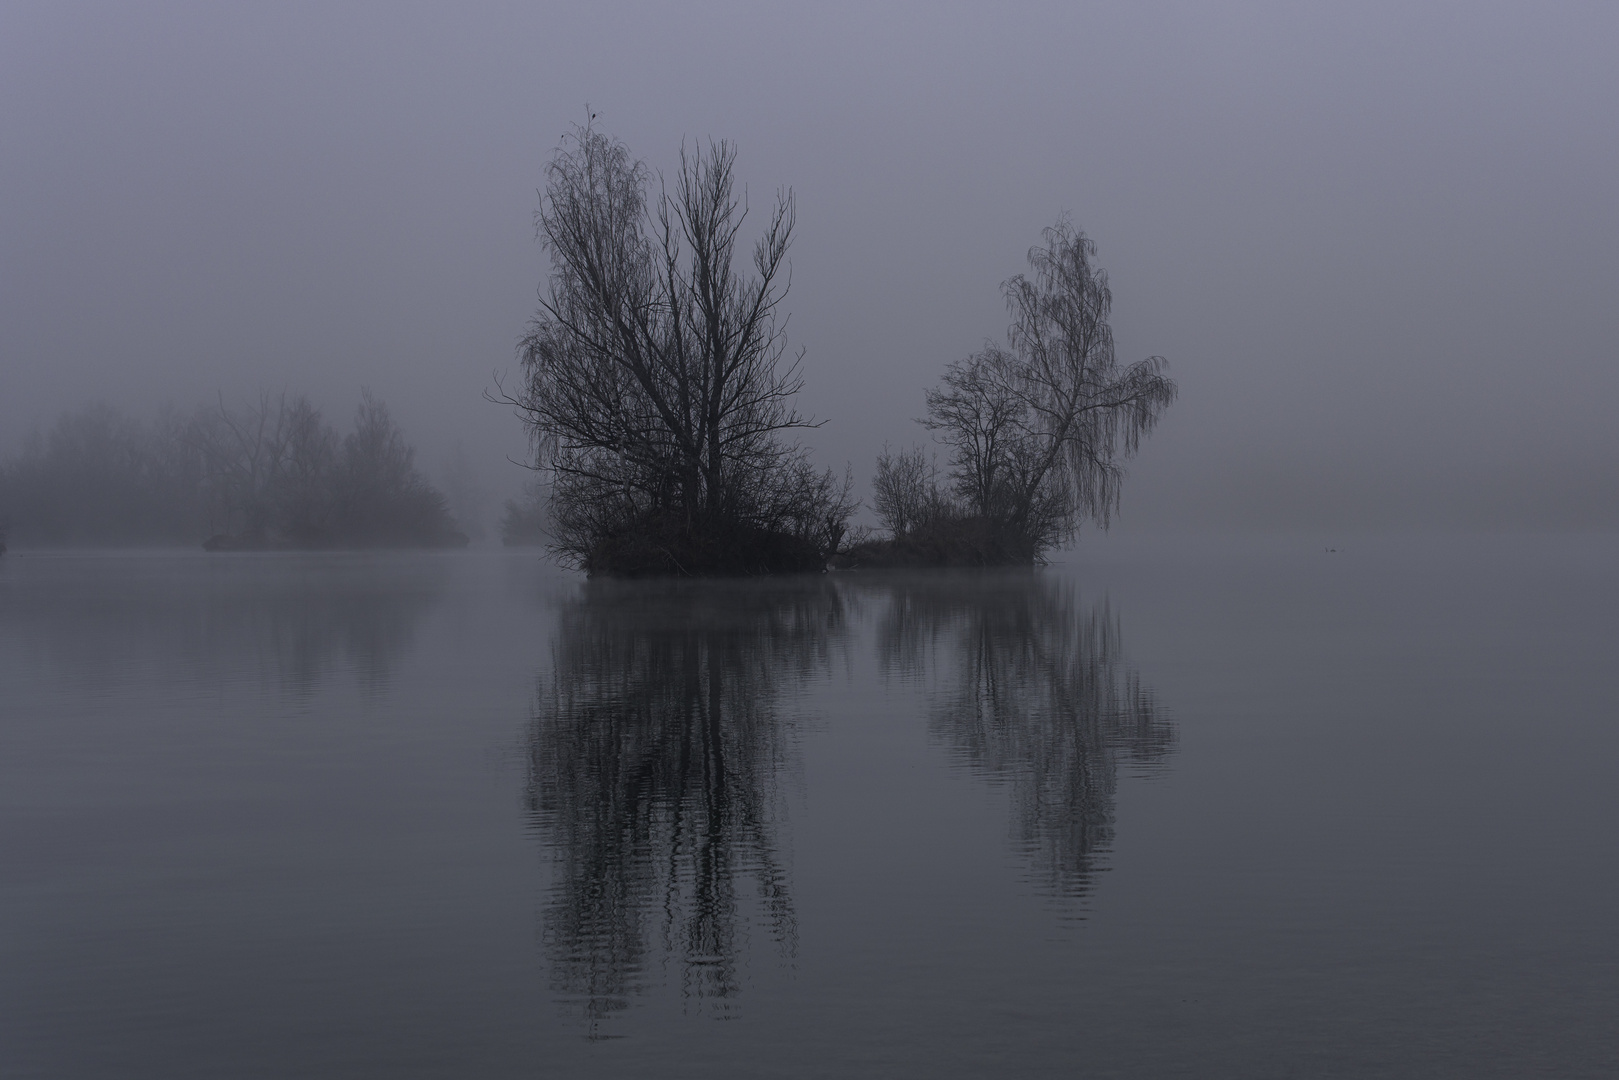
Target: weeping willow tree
[1037, 431]
[657, 383]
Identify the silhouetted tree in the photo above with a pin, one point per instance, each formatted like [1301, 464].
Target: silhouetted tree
[1037, 431]
[657, 389]
[905, 491]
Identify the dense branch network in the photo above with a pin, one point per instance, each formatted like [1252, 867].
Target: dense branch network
[1036, 432]
[657, 388]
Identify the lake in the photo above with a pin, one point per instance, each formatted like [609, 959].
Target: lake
[1225, 807]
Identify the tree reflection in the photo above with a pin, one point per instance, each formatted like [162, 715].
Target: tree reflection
[655, 754]
[664, 728]
[1029, 687]
[294, 619]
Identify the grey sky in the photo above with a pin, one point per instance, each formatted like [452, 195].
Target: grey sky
[1376, 243]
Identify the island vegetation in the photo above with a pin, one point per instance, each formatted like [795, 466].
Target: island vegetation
[657, 391]
[657, 387]
[268, 474]
[1035, 432]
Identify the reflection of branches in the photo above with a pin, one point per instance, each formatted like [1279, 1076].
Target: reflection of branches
[1032, 690]
[366, 612]
[653, 765]
[296, 617]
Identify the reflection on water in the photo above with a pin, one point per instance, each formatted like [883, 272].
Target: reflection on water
[663, 728]
[654, 759]
[838, 807]
[1029, 686]
[295, 618]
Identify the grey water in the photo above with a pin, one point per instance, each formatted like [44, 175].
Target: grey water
[1245, 808]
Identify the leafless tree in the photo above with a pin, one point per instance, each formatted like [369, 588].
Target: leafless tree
[657, 386]
[1038, 431]
[277, 474]
[905, 491]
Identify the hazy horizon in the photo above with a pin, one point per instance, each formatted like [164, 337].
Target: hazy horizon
[1374, 243]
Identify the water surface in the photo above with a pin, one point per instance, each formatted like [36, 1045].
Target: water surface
[1249, 808]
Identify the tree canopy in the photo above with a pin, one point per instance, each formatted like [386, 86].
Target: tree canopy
[657, 384]
[1036, 431]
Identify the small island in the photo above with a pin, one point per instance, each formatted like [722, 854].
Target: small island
[657, 391]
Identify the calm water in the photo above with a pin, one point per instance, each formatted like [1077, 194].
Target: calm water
[1245, 809]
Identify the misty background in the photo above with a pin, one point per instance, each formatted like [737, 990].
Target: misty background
[1375, 242]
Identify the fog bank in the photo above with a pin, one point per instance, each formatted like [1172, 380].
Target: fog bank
[1374, 242]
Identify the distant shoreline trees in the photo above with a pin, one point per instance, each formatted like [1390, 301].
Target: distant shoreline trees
[1036, 432]
[270, 474]
[656, 387]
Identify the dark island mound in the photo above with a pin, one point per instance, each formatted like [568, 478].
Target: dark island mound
[651, 548]
[966, 541]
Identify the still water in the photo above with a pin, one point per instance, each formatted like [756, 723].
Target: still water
[1245, 808]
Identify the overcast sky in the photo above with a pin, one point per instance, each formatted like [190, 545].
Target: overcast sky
[1377, 244]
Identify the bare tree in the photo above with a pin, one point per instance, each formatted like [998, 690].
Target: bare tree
[242, 451]
[1038, 431]
[657, 386]
[277, 475]
[905, 491]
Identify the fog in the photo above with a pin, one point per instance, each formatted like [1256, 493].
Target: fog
[1375, 243]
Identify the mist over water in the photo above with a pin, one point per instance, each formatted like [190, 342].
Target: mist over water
[1372, 240]
[1171, 809]
[1302, 767]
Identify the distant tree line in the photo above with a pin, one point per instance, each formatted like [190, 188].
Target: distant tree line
[270, 473]
[657, 392]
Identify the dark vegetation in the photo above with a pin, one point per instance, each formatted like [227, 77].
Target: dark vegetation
[265, 475]
[658, 395]
[657, 391]
[656, 385]
[1036, 432]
